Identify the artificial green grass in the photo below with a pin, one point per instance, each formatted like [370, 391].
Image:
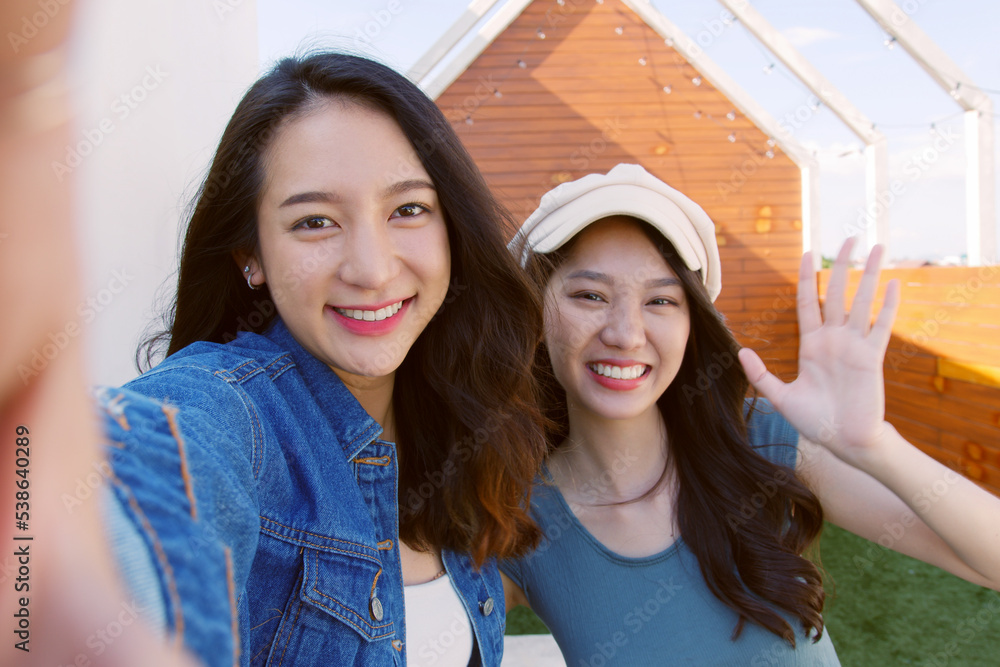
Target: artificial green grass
[522, 621]
[883, 608]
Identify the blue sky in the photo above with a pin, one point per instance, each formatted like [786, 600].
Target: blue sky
[927, 220]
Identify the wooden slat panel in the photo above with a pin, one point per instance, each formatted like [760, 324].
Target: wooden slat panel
[583, 103]
[971, 450]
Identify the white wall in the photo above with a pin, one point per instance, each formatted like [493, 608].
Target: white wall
[156, 82]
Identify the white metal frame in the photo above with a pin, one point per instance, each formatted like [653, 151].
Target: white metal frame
[476, 10]
[981, 237]
[434, 83]
[876, 146]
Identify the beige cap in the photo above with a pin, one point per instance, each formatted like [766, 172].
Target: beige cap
[630, 190]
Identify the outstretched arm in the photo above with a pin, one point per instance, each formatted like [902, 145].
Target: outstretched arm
[68, 588]
[867, 477]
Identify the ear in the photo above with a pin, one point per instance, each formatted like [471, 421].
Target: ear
[248, 260]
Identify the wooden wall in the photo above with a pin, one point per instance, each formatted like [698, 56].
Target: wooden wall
[942, 369]
[537, 111]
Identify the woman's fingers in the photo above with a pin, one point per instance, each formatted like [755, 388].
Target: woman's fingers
[882, 329]
[833, 310]
[807, 299]
[762, 379]
[860, 317]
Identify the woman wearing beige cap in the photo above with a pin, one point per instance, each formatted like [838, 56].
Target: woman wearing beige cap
[675, 511]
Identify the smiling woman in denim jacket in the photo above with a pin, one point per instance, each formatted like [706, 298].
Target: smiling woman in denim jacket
[345, 419]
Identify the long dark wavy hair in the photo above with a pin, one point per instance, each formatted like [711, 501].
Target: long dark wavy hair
[468, 427]
[751, 561]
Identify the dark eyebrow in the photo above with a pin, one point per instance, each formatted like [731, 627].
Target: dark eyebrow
[606, 279]
[664, 282]
[393, 190]
[591, 275]
[310, 198]
[403, 187]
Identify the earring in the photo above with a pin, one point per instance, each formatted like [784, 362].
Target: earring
[246, 270]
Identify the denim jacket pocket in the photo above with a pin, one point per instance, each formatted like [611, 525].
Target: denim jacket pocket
[348, 586]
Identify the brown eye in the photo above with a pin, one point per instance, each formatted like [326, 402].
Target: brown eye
[409, 210]
[315, 222]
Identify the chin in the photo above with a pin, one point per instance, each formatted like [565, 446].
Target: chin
[617, 412]
[374, 370]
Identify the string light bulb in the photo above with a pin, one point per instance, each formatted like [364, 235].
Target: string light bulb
[889, 42]
[669, 41]
[768, 68]
[541, 35]
[769, 154]
[496, 93]
[668, 89]
[696, 81]
[697, 114]
[642, 61]
[619, 30]
[732, 137]
[521, 63]
[731, 115]
[468, 120]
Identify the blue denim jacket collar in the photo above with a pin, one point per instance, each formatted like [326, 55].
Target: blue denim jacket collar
[354, 427]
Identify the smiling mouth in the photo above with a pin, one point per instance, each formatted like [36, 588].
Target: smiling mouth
[619, 372]
[371, 315]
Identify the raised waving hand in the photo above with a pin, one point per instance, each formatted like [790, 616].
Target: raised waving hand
[867, 477]
[838, 399]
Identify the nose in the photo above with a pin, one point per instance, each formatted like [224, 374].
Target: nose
[624, 327]
[370, 259]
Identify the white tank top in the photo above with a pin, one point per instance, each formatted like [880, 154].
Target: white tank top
[438, 630]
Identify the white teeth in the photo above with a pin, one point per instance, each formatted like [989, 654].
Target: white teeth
[371, 315]
[619, 372]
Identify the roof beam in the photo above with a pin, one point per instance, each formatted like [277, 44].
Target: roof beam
[981, 236]
[877, 165]
[695, 55]
[434, 85]
[476, 10]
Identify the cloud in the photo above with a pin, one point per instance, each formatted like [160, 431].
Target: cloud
[801, 35]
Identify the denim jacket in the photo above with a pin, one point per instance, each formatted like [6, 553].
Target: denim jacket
[267, 505]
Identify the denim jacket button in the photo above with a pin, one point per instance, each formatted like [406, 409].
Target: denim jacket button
[375, 608]
[486, 607]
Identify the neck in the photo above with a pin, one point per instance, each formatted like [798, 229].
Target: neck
[375, 396]
[610, 460]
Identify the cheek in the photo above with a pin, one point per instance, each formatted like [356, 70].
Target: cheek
[678, 341]
[566, 336]
[554, 330]
[297, 270]
[430, 254]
